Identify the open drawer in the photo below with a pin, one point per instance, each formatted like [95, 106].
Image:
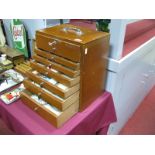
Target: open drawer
[49, 97]
[52, 85]
[48, 112]
[58, 67]
[62, 78]
[57, 59]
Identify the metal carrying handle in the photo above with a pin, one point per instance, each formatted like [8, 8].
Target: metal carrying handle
[73, 30]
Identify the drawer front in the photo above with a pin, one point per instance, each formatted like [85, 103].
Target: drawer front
[56, 66]
[57, 59]
[51, 87]
[36, 107]
[58, 47]
[48, 97]
[56, 120]
[57, 76]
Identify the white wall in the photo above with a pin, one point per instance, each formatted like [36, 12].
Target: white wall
[129, 80]
[117, 33]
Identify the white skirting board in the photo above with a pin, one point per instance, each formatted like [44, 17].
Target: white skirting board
[129, 80]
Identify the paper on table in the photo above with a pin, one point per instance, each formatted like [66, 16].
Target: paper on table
[15, 75]
[12, 95]
[7, 84]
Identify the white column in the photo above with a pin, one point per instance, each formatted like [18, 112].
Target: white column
[117, 34]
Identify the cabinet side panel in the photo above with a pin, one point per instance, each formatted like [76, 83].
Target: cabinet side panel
[93, 70]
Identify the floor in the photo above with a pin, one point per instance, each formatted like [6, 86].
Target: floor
[143, 120]
[141, 123]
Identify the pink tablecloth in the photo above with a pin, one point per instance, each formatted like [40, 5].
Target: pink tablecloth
[94, 120]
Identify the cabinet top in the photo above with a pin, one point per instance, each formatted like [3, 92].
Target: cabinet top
[72, 33]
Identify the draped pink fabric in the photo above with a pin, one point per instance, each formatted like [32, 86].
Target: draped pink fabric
[94, 120]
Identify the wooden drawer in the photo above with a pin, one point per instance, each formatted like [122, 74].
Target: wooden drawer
[57, 59]
[58, 47]
[55, 75]
[60, 68]
[54, 116]
[49, 97]
[54, 88]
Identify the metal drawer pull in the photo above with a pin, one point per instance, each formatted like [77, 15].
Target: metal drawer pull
[50, 65]
[52, 43]
[52, 57]
[36, 108]
[41, 84]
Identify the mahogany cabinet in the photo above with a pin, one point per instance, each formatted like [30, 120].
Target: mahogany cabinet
[68, 71]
